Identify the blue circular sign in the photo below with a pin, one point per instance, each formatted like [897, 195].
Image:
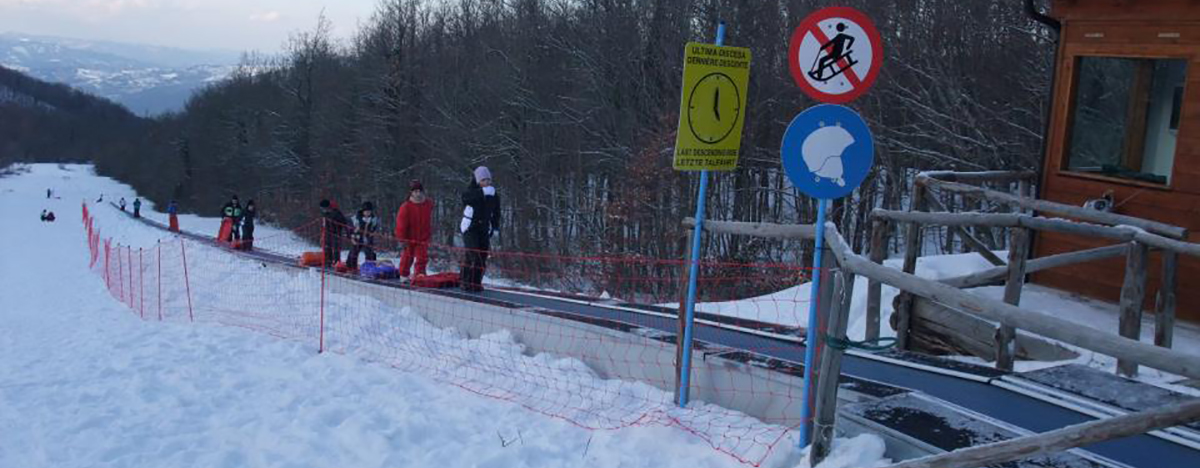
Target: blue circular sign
[827, 151]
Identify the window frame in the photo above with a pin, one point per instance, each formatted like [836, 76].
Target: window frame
[1074, 62]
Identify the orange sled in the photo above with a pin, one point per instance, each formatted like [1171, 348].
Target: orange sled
[312, 259]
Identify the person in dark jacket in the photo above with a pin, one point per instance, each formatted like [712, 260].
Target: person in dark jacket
[137, 207]
[481, 219]
[248, 216]
[237, 213]
[334, 224]
[366, 225]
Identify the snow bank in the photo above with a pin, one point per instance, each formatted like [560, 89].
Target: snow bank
[86, 383]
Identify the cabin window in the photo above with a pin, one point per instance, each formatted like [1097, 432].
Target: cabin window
[1126, 117]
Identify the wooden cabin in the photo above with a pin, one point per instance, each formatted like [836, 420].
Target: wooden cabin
[1125, 120]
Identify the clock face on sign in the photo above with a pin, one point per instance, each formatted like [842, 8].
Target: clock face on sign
[713, 108]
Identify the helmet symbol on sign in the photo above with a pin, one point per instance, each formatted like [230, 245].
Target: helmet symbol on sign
[827, 151]
[822, 153]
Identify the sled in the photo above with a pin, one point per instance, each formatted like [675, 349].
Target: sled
[243, 244]
[226, 232]
[440, 280]
[174, 224]
[378, 270]
[312, 259]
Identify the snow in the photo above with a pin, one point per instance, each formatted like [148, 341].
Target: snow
[85, 382]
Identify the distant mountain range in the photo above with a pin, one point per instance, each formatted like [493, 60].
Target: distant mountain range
[149, 80]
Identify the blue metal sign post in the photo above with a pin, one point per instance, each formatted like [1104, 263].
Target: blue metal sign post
[685, 365]
[827, 152]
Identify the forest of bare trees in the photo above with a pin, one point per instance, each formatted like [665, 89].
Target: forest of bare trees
[573, 104]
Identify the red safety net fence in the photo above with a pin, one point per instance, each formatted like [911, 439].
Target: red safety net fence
[589, 339]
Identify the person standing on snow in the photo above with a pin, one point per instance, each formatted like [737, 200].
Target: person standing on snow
[414, 222]
[226, 232]
[366, 225]
[481, 219]
[173, 216]
[236, 232]
[137, 207]
[121, 204]
[248, 221]
[333, 224]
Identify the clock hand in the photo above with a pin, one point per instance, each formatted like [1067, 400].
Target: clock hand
[716, 103]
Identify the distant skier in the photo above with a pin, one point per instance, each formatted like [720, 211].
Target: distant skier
[173, 216]
[43, 216]
[48, 193]
[121, 204]
[333, 225]
[366, 225]
[414, 222]
[137, 207]
[101, 199]
[50, 217]
[248, 221]
[481, 219]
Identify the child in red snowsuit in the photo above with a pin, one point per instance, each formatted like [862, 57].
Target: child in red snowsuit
[414, 220]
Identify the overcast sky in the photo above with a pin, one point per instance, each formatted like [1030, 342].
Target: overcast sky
[240, 25]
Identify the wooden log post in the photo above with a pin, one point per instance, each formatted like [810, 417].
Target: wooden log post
[1164, 304]
[875, 288]
[1058, 440]
[1006, 335]
[1133, 293]
[912, 250]
[831, 368]
[1047, 325]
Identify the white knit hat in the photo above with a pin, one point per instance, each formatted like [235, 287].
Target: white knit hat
[481, 173]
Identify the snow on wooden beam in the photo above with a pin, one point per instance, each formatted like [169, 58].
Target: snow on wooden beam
[1126, 233]
[1078, 212]
[777, 231]
[995, 275]
[980, 176]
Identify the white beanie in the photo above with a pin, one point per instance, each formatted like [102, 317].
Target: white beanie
[481, 173]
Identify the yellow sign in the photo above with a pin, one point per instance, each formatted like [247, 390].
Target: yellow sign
[712, 108]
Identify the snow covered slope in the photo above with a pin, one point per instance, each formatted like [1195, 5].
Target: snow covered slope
[84, 382]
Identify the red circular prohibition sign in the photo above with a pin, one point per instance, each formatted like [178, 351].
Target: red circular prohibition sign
[861, 84]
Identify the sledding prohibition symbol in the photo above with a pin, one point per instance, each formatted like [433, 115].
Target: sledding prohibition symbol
[835, 54]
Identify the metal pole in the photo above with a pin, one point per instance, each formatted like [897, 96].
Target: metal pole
[158, 252]
[187, 283]
[324, 266]
[141, 284]
[686, 366]
[811, 341]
